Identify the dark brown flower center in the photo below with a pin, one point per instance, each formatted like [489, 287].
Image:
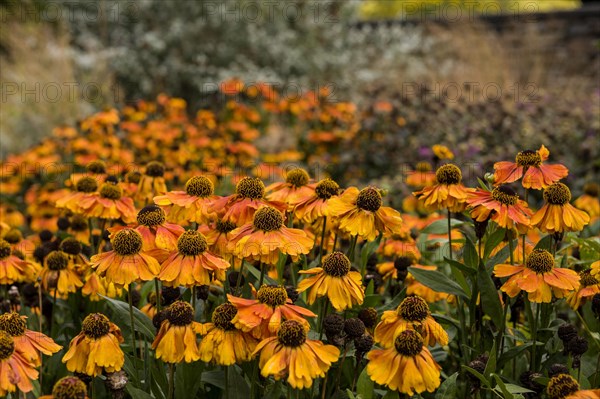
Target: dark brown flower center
[587, 279]
[4, 249]
[79, 223]
[562, 385]
[591, 189]
[505, 195]
[7, 345]
[111, 191]
[291, 333]
[409, 343]
[95, 325]
[423, 167]
[448, 174]
[13, 236]
[13, 324]
[69, 388]
[57, 260]
[192, 243]
[133, 177]
[180, 313]
[336, 264]
[540, 261]
[225, 227]
[297, 177]
[272, 295]
[86, 184]
[223, 315]
[369, 199]
[267, 219]
[151, 215]
[199, 186]
[528, 158]
[557, 194]
[96, 167]
[413, 308]
[127, 242]
[155, 169]
[326, 189]
[71, 246]
[250, 187]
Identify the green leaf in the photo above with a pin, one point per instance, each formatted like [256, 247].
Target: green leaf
[186, 378]
[512, 388]
[393, 304]
[477, 374]
[441, 226]
[437, 281]
[505, 392]
[511, 353]
[491, 363]
[500, 257]
[459, 266]
[256, 273]
[365, 385]
[368, 249]
[545, 243]
[489, 297]
[142, 323]
[238, 388]
[492, 241]
[214, 377]
[137, 393]
[470, 254]
[391, 395]
[448, 388]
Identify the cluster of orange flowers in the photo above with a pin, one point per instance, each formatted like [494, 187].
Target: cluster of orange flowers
[114, 227]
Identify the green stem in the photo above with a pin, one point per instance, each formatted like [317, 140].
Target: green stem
[353, 241]
[133, 340]
[171, 393]
[534, 336]
[158, 295]
[449, 234]
[323, 314]
[335, 239]
[323, 237]
[226, 382]
[339, 374]
[262, 276]
[511, 249]
[238, 289]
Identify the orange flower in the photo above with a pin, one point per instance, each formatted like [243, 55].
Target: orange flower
[156, 232]
[109, 204]
[58, 274]
[263, 316]
[30, 344]
[240, 207]
[126, 263]
[191, 205]
[218, 235]
[310, 208]
[589, 287]
[342, 286]
[295, 188]
[502, 205]
[223, 343]
[69, 387]
[447, 193]
[422, 176]
[595, 269]
[291, 354]
[267, 237]
[412, 313]
[96, 348]
[407, 366]
[538, 277]
[152, 182]
[192, 264]
[558, 215]
[564, 386]
[175, 341]
[85, 187]
[442, 152]
[12, 269]
[15, 370]
[589, 200]
[361, 213]
[529, 166]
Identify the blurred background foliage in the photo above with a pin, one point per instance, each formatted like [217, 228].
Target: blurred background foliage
[102, 53]
[403, 8]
